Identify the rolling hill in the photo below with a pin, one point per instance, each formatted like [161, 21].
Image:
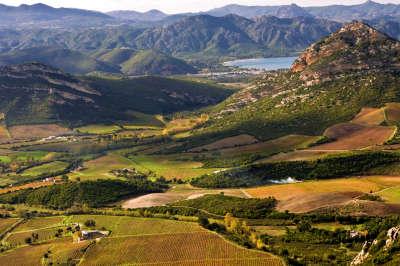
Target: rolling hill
[331, 81]
[152, 62]
[116, 56]
[35, 93]
[69, 61]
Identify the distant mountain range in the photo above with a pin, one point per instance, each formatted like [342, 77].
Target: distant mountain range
[40, 15]
[201, 36]
[151, 15]
[82, 41]
[342, 13]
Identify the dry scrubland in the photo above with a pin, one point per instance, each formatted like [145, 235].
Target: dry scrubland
[370, 116]
[308, 196]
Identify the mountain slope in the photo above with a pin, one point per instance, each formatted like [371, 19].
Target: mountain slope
[344, 78]
[69, 61]
[35, 93]
[152, 62]
[116, 56]
[234, 35]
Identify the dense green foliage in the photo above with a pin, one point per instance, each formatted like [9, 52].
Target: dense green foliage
[329, 167]
[69, 61]
[91, 193]
[151, 62]
[238, 207]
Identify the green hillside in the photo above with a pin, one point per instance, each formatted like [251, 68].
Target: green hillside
[152, 62]
[35, 93]
[357, 67]
[69, 61]
[116, 56]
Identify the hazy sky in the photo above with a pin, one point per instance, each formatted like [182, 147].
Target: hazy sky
[175, 6]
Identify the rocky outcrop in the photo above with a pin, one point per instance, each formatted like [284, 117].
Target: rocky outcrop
[392, 236]
[364, 254]
[355, 47]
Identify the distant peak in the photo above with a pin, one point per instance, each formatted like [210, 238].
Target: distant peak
[36, 6]
[355, 47]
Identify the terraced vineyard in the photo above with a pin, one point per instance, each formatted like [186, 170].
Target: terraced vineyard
[199, 248]
[136, 241]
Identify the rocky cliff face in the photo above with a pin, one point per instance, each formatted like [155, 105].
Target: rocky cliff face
[372, 250]
[355, 47]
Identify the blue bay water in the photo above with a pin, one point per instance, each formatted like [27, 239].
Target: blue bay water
[263, 63]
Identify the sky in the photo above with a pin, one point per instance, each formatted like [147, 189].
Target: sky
[176, 6]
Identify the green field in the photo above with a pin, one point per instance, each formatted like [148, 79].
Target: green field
[99, 129]
[40, 222]
[100, 168]
[141, 120]
[22, 156]
[128, 226]
[18, 238]
[391, 195]
[52, 167]
[170, 167]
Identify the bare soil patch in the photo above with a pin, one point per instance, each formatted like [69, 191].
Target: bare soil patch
[37, 131]
[313, 195]
[176, 194]
[230, 142]
[349, 136]
[370, 116]
[392, 111]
